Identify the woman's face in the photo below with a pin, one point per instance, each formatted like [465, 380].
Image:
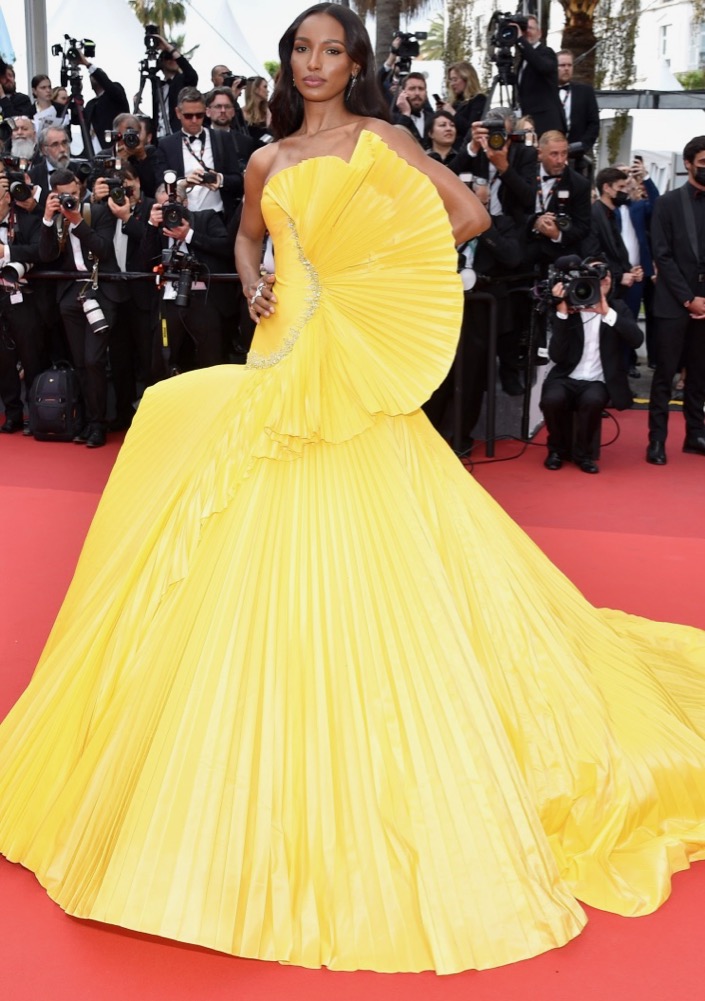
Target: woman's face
[262, 90]
[456, 83]
[42, 92]
[62, 96]
[319, 61]
[444, 131]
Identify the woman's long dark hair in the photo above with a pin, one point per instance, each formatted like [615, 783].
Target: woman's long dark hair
[364, 98]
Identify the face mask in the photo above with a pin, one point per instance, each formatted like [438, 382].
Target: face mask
[699, 175]
[620, 198]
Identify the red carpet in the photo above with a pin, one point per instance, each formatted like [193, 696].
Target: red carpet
[632, 537]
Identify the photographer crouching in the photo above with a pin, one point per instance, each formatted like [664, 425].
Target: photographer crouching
[187, 247]
[587, 338]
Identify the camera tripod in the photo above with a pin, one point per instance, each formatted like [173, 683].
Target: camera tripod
[504, 83]
[75, 106]
[148, 71]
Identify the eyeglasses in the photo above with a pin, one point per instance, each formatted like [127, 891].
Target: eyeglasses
[58, 145]
[189, 115]
[221, 107]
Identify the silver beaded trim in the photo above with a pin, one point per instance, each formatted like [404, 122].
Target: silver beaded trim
[255, 360]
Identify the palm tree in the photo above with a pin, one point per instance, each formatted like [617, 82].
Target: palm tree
[164, 13]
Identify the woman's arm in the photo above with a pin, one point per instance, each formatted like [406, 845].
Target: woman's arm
[250, 237]
[467, 216]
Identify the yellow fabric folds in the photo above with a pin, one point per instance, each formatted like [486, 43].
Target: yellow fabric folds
[312, 696]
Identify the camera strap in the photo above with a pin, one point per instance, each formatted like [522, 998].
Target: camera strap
[543, 202]
[197, 158]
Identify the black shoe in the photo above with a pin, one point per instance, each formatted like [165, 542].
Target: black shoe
[27, 431]
[656, 453]
[512, 383]
[588, 466]
[96, 439]
[82, 437]
[553, 461]
[12, 424]
[695, 445]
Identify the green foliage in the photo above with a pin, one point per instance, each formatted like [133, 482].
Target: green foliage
[616, 25]
[434, 46]
[692, 80]
[458, 43]
[163, 13]
[272, 67]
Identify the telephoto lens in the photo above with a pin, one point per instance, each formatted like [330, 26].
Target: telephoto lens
[95, 316]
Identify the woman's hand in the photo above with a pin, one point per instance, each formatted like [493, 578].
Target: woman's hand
[261, 298]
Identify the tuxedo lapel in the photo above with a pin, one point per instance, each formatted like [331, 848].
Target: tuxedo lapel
[689, 221]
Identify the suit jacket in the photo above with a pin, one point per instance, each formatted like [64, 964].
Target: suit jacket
[24, 246]
[538, 86]
[584, 116]
[187, 77]
[96, 240]
[641, 211]
[212, 244]
[408, 123]
[609, 242]
[100, 111]
[674, 243]
[141, 292]
[567, 342]
[541, 249]
[170, 156]
[517, 192]
[15, 105]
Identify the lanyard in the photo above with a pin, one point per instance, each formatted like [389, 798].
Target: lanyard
[539, 191]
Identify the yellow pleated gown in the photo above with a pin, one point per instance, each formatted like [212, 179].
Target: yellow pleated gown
[312, 696]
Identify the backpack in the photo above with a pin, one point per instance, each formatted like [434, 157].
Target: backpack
[55, 405]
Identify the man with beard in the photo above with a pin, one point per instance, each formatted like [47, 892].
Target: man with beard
[414, 112]
[12, 103]
[55, 150]
[24, 140]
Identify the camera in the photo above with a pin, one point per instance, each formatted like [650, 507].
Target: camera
[209, 177]
[181, 269]
[19, 190]
[75, 48]
[95, 316]
[68, 201]
[173, 212]
[130, 138]
[151, 44]
[82, 169]
[121, 193]
[563, 218]
[504, 29]
[498, 135]
[229, 79]
[14, 272]
[580, 279]
[409, 47]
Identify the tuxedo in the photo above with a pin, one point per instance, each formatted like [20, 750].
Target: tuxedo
[564, 394]
[22, 337]
[170, 156]
[100, 111]
[186, 77]
[537, 86]
[609, 242]
[204, 319]
[678, 246]
[583, 117]
[517, 190]
[16, 106]
[88, 348]
[409, 122]
[542, 250]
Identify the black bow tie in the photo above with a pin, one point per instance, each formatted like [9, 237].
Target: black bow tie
[201, 137]
[564, 86]
[549, 177]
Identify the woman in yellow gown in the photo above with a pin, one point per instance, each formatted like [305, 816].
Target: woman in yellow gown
[312, 696]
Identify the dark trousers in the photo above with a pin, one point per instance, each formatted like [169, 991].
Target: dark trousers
[565, 402]
[678, 341]
[21, 341]
[89, 351]
[131, 346]
[195, 333]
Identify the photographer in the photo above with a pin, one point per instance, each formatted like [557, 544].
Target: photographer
[221, 76]
[413, 110]
[132, 335]
[55, 149]
[207, 158]
[580, 108]
[12, 103]
[486, 264]
[21, 333]
[75, 245]
[509, 167]
[110, 100]
[562, 217]
[178, 73]
[537, 79]
[198, 244]
[587, 347]
[130, 148]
